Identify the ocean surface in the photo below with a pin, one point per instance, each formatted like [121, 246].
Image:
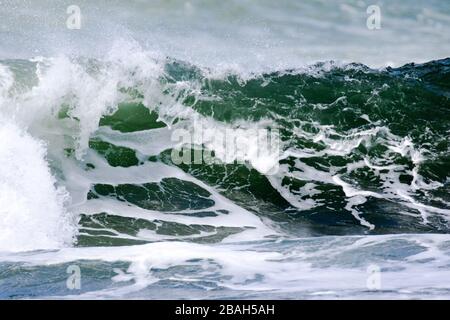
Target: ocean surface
[353, 203]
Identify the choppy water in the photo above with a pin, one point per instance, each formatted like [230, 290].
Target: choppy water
[358, 206]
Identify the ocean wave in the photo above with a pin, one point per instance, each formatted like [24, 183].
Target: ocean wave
[87, 163]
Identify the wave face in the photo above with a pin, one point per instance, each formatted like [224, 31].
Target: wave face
[353, 201]
[363, 161]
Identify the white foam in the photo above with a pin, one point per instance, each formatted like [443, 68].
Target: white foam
[304, 267]
[32, 214]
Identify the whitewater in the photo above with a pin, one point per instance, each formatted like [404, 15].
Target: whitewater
[356, 202]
